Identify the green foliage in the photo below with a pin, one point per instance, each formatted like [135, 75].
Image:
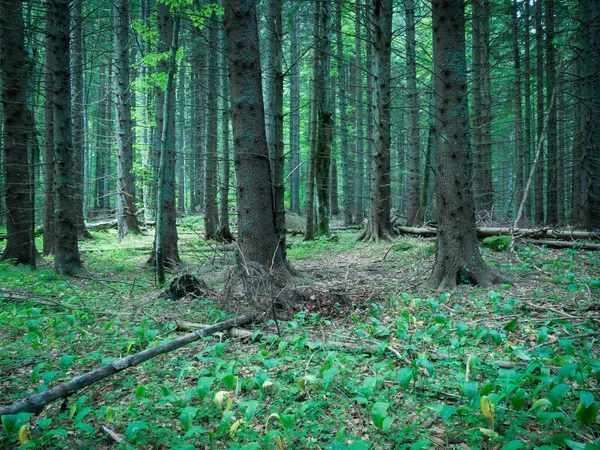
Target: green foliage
[497, 243]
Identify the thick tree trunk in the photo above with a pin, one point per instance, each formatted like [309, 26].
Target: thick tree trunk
[379, 225]
[415, 213]
[539, 170]
[457, 257]
[257, 236]
[518, 189]
[199, 122]
[527, 92]
[225, 157]
[126, 211]
[17, 170]
[67, 259]
[211, 212]
[357, 82]
[294, 116]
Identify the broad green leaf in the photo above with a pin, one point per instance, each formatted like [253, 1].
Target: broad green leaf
[496, 337]
[328, 376]
[251, 446]
[140, 392]
[567, 371]
[514, 445]
[35, 373]
[81, 415]
[538, 404]
[85, 427]
[542, 335]
[195, 430]
[229, 381]
[566, 346]
[204, 384]
[586, 398]
[44, 423]
[12, 422]
[440, 318]
[133, 430]
[510, 326]
[360, 445]
[378, 414]
[368, 386]
[546, 416]
[404, 376]
[517, 399]
[250, 410]
[421, 443]
[461, 328]
[557, 393]
[580, 445]
[66, 361]
[587, 415]
[187, 416]
[521, 354]
[470, 390]
[448, 411]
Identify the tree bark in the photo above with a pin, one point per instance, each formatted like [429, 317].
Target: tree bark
[357, 82]
[199, 113]
[225, 152]
[49, 231]
[67, 259]
[539, 171]
[457, 257]
[211, 213]
[551, 85]
[17, 170]
[518, 189]
[379, 225]
[257, 236]
[126, 211]
[295, 169]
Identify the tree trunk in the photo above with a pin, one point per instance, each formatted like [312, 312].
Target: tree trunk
[274, 112]
[482, 144]
[78, 114]
[225, 157]
[518, 190]
[347, 181]
[126, 211]
[539, 170]
[165, 243]
[527, 85]
[49, 231]
[457, 256]
[257, 236]
[67, 259]
[551, 85]
[211, 212]
[181, 141]
[324, 116]
[17, 170]
[199, 122]
[294, 116]
[357, 82]
[379, 225]
[415, 213]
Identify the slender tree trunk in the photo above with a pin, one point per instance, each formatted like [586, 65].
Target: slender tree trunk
[211, 212]
[518, 109]
[552, 175]
[49, 232]
[225, 157]
[357, 82]
[77, 103]
[295, 169]
[527, 92]
[17, 175]
[379, 225]
[199, 118]
[126, 211]
[257, 236]
[67, 259]
[539, 174]
[415, 213]
[324, 116]
[181, 141]
[457, 256]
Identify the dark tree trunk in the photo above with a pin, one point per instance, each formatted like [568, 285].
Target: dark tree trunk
[519, 184]
[457, 257]
[67, 259]
[274, 112]
[379, 225]
[357, 82]
[539, 169]
[49, 232]
[78, 114]
[17, 170]
[257, 236]
[211, 211]
[126, 211]
[294, 117]
[181, 141]
[415, 213]
[552, 163]
[527, 93]
[324, 116]
[199, 121]
[225, 157]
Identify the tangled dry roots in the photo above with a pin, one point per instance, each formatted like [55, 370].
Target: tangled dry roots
[187, 285]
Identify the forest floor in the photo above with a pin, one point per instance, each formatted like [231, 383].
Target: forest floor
[368, 359]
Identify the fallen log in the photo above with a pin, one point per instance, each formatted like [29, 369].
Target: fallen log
[564, 244]
[562, 235]
[36, 403]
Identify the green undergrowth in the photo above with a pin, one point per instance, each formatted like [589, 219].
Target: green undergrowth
[507, 368]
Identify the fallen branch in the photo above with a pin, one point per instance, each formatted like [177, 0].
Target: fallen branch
[36, 403]
[564, 244]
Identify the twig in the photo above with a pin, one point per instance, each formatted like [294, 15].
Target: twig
[114, 435]
[554, 340]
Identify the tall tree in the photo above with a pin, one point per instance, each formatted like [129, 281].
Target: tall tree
[539, 169]
[415, 213]
[379, 225]
[519, 184]
[49, 232]
[211, 212]
[482, 120]
[199, 113]
[225, 145]
[274, 111]
[551, 85]
[356, 80]
[17, 175]
[457, 257]
[126, 211]
[257, 236]
[324, 114]
[294, 115]
[67, 259]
